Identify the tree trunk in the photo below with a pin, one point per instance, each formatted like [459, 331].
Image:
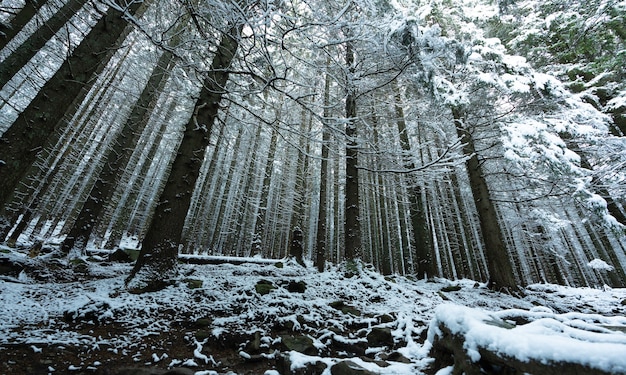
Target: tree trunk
[22, 54]
[23, 141]
[296, 247]
[45, 175]
[207, 222]
[320, 247]
[159, 250]
[300, 191]
[404, 223]
[421, 233]
[244, 233]
[352, 224]
[17, 23]
[464, 220]
[381, 212]
[338, 215]
[500, 269]
[117, 158]
[259, 226]
[133, 207]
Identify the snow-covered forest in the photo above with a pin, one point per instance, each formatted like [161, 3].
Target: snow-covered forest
[426, 140]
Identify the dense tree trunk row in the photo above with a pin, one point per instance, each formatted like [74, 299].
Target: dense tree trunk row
[123, 144]
[23, 141]
[498, 263]
[20, 56]
[117, 158]
[160, 245]
[18, 22]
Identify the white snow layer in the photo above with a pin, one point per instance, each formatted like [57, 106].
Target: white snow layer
[548, 339]
[33, 311]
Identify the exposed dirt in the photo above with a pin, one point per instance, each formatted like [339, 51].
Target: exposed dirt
[145, 357]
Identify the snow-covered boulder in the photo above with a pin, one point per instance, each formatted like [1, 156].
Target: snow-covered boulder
[548, 343]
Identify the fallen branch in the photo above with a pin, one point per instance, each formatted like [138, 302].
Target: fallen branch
[203, 259]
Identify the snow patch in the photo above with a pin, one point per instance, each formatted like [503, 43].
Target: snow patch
[547, 339]
[600, 265]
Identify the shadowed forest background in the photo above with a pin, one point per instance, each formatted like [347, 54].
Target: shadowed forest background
[461, 139]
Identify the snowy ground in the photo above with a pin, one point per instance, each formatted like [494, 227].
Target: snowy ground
[217, 320]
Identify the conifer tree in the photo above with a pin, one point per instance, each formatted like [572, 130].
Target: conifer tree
[352, 219]
[9, 30]
[20, 56]
[44, 115]
[118, 156]
[501, 274]
[159, 252]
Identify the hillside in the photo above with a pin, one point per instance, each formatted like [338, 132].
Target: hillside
[277, 318]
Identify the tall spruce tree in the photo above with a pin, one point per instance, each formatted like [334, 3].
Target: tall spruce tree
[352, 205]
[34, 127]
[9, 30]
[421, 232]
[501, 274]
[118, 156]
[22, 54]
[322, 225]
[159, 251]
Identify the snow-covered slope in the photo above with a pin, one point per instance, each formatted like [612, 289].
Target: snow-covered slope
[244, 318]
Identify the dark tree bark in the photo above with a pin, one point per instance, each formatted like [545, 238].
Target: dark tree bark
[117, 158]
[296, 247]
[22, 142]
[421, 233]
[320, 247]
[17, 23]
[259, 226]
[16, 60]
[352, 224]
[498, 262]
[298, 218]
[158, 256]
[383, 250]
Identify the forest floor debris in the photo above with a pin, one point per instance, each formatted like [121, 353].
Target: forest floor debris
[255, 318]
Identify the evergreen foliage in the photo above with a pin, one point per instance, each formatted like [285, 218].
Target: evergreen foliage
[463, 139]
